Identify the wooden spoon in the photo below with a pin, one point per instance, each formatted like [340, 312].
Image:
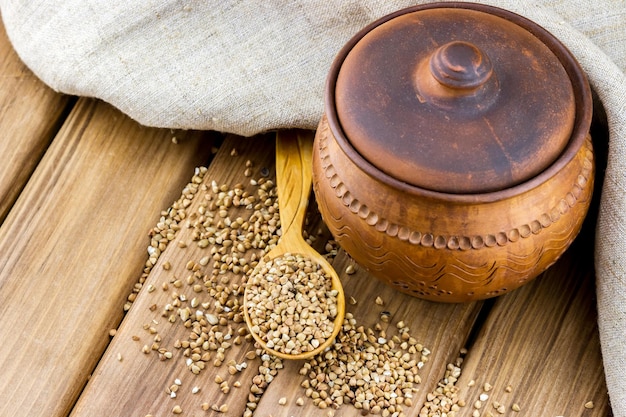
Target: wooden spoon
[293, 178]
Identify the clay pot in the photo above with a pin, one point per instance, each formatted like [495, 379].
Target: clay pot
[454, 160]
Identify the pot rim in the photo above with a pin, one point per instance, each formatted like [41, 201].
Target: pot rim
[580, 85]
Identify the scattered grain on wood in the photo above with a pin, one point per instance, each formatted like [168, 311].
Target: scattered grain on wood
[357, 369]
[445, 399]
[167, 228]
[236, 226]
[234, 244]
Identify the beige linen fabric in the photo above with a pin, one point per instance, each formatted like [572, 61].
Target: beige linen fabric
[251, 66]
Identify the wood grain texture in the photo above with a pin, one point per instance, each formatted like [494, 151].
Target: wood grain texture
[137, 384]
[73, 246]
[542, 341]
[30, 115]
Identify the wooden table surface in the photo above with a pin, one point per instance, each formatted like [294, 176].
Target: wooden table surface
[82, 189]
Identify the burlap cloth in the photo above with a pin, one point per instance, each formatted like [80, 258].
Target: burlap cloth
[251, 66]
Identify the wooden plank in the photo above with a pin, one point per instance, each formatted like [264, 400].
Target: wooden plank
[129, 382]
[542, 341]
[73, 246]
[30, 115]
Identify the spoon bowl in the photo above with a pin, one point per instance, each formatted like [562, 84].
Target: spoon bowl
[294, 176]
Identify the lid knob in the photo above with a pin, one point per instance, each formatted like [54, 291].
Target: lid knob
[457, 73]
[460, 65]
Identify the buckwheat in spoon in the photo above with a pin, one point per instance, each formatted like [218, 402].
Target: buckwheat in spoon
[294, 304]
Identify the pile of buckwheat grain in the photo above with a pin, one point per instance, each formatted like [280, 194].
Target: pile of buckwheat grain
[375, 373]
[291, 304]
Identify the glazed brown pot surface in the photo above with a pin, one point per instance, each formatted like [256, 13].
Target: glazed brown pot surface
[443, 164]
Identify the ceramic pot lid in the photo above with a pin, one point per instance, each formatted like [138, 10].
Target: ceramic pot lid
[455, 99]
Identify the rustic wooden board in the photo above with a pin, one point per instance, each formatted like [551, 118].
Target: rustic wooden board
[73, 246]
[30, 115]
[542, 341]
[129, 382]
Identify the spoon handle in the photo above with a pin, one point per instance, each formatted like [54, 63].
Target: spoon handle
[294, 150]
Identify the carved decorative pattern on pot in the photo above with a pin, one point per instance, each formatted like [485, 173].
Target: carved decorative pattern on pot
[438, 241]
